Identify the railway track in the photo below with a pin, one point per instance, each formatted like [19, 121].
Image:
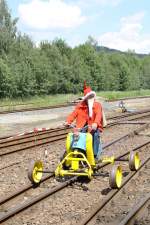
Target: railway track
[51, 138]
[7, 153]
[134, 116]
[37, 139]
[128, 98]
[5, 199]
[91, 216]
[110, 119]
[32, 141]
[52, 133]
[129, 118]
[136, 213]
[36, 108]
[128, 114]
[56, 106]
[18, 139]
[20, 207]
[31, 136]
[28, 141]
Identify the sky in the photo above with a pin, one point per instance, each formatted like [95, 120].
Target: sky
[117, 24]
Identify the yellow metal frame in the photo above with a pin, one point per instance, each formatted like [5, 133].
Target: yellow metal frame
[36, 175]
[73, 159]
[136, 160]
[89, 149]
[108, 159]
[68, 142]
[118, 177]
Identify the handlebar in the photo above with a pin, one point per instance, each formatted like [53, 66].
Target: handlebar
[79, 129]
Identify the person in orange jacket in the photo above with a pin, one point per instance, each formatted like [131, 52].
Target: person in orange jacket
[89, 112]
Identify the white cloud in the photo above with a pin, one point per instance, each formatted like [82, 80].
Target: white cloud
[99, 2]
[129, 36]
[108, 2]
[50, 14]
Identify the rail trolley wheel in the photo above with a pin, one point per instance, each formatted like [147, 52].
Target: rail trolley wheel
[134, 161]
[35, 171]
[115, 178]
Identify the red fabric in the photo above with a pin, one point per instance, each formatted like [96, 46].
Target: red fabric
[84, 85]
[87, 90]
[80, 114]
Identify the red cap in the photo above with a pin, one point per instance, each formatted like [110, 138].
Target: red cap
[88, 92]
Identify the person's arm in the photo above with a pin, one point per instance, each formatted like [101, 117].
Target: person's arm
[72, 116]
[98, 111]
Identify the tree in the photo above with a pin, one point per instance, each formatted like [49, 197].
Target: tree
[145, 79]
[91, 41]
[5, 80]
[62, 47]
[54, 67]
[7, 28]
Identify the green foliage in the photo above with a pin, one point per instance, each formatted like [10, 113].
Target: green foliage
[113, 95]
[145, 75]
[5, 78]
[54, 67]
[7, 28]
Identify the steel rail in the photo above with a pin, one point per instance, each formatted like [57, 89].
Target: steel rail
[137, 116]
[98, 167]
[38, 133]
[113, 123]
[94, 211]
[10, 165]
[128, 114]
[34, 200]
[33, 138]
[17, 137]
[63, 136]
[134, 212]
[134, 132]
[30, 135]
[48, 107]
[134, 122]
[36, 109]
[142, 116]
[23, 189]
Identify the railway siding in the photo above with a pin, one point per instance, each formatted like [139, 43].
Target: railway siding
[68, 207]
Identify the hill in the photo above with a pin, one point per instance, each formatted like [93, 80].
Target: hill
[110, 50]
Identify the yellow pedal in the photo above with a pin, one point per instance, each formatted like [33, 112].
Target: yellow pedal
[107, 159]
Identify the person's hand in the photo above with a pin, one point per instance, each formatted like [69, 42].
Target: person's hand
[94, 126]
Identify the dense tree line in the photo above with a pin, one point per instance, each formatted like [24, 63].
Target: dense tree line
[54, 67]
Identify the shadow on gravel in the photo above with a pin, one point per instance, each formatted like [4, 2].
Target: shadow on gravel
[125, 174]
[106, 191]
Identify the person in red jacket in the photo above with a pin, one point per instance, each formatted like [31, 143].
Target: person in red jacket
[89, 112]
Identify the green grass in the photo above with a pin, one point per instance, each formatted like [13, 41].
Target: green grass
[111, 95]
[39, 101]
